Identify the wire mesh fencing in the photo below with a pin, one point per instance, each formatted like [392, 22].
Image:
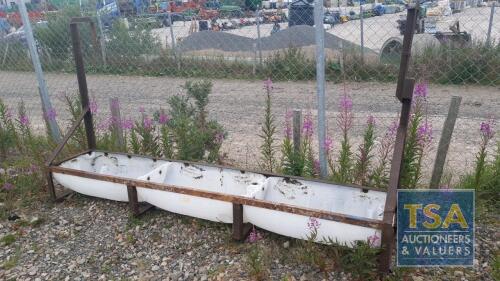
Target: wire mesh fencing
[456, 42]
[152, 50]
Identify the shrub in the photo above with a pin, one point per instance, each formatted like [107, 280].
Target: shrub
[290, 64]
[128, 47]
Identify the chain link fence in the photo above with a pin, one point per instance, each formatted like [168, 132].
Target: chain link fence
[143, 54]
[457, 41]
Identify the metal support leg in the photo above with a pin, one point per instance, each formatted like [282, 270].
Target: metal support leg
[240, 229]
[136, 208]
[52, 190]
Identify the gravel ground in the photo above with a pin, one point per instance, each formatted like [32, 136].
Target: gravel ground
[87, 238]
[238, 106]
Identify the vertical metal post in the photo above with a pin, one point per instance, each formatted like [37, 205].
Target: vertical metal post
[82, 85]
[490, 24]
[240, 229]
[172, 38]
[133, 203]
[297, 125]
[46, 105]
[114, 107]
[5, 54]
[259, 45]
[404, 93]
[254, 60]
[102, 40]
[362, 33]
[320, 82]
[444, 141]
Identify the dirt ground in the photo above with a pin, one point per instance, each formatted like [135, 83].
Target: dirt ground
[238, 106]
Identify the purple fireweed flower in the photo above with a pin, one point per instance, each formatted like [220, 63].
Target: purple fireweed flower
[374, 240]
[345, 119]
[308, 127]
[24, 120]
[328, 144]
[254, 236]
[8, 114]
[219, 137]
[51, 114]
[147, 122]
[424, 134]
[115, 104]
[105, 124]
[392, 130]
[486, 129]
[420, 91]
[313, 224]
[127, 124]
[316, 167]
[163, 119]
[33, 169]
[93, 106]
[7, 186]
[288, 124]
[141, 109]
[345, 103]
[268, 84]
[371, 120]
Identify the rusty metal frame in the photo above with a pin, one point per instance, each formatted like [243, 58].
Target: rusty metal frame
[404, 93]
[240, 230]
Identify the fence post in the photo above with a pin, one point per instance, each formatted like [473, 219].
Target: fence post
[297, 120]
[114, 106]
[259, 45]
[320, 82]
[102, 40]
[254, 60]
[46, 105]
[444, 142]
[172, 38]
[5, 54]
[362, 33]
[404, 93]
[490, 24]
[82, 84]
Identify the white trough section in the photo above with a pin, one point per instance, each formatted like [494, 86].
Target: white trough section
[345, 200]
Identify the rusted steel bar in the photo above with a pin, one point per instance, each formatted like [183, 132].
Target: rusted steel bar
[388, 233]
[50, 185]
[68, 135]
[404, 92]
[132, 200]
[240, 229]
[321, 214]
[411, 21]
[82, 84]
[52, 191]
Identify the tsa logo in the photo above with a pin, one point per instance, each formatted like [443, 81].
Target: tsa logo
[435, 228]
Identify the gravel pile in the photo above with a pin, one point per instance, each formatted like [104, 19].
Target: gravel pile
[296, 36]
[91, 239]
